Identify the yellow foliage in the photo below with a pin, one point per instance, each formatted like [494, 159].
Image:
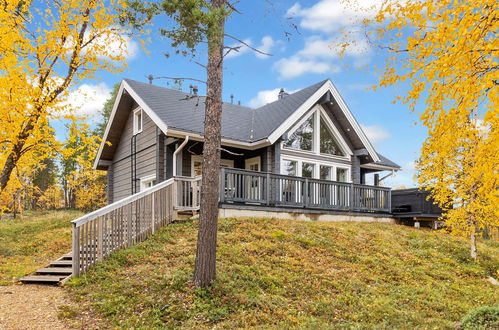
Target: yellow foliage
[448, 51]
[51, 199]
[88, 186]
[47, 47]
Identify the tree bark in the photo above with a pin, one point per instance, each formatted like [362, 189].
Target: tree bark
[16, 152]
[205, 266]
[473, 248]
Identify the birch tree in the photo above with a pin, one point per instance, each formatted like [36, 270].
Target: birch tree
[447, 51]
[46, 48]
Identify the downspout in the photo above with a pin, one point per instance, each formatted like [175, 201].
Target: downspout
[180, 147]
[387, 176]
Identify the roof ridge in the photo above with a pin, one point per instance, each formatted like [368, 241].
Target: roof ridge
[320, 83]
[182, 92]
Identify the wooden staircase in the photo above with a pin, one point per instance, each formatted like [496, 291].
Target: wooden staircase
[55, 273]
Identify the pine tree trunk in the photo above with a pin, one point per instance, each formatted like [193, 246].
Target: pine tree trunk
[205, 267]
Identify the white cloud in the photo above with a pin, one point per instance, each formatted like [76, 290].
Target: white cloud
[296, 66]
[266, 96]
[115, 42]
[317, 47]
[330, 15]
[243, 49]
[88, 100]
[266, 46]
[122, 45]
[375, 133]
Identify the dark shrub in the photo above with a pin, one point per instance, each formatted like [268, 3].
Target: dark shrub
[485, 317]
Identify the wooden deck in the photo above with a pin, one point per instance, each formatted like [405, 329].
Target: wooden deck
[276, 190]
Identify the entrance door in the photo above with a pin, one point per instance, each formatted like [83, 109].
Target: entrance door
[253, 184]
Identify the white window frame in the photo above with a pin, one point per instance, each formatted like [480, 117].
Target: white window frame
[199, 158]
[144, 181]
[317, 164]
[252, 161]
[317, 112]
[136, 129]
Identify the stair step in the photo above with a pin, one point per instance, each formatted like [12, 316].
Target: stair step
[42, 279]
[62, 263]
[67, 256]
[54, 270]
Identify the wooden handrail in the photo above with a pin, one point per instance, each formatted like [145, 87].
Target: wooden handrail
[127, 200]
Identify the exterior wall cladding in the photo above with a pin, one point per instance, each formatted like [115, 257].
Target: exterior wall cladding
[154, 156]
[120, 184]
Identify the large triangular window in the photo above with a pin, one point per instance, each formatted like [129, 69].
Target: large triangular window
[303, 137]
[316, 134]
[328, 143]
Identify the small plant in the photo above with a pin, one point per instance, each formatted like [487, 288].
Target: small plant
[485, 317]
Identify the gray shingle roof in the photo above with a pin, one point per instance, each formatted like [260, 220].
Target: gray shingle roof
[179, 110]
[386, 162]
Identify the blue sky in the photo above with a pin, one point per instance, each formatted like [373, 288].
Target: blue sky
[304, 58]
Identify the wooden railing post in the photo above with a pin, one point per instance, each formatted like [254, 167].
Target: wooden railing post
[267, 189]
[153, 213]
[76, 250]
[351, 197]
[222, 185]
[100, 236]
[305, 193]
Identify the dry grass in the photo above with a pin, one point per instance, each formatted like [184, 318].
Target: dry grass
[32, 240]
[275, 274]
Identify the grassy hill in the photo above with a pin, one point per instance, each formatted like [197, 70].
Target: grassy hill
[275, 274]
[32, 240]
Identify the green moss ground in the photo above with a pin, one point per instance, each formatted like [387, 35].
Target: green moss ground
[32, 240]
[290, 274]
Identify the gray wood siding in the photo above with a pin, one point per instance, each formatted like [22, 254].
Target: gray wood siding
[146, 157]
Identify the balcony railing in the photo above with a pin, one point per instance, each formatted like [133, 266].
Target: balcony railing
[249, 187]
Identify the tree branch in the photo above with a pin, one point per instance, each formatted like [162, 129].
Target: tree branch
[246, 44]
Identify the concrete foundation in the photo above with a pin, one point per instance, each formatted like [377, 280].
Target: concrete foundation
[303, 215]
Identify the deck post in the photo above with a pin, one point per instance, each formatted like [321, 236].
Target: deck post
[175, 193]
[129, 225]
[222, 184]
[153, 213]
[267, 188]
[305, 193]
[76, 251]
[100, 236]
[389, 200]
[351, 197]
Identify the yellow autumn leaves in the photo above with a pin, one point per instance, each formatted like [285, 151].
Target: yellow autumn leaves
[447, 51]
[47, 47]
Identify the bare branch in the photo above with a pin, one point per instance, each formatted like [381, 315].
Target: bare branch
[247, 45]
[176, 78]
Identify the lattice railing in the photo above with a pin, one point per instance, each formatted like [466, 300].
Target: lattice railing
[121, 225]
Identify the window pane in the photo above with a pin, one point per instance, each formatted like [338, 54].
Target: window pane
[325, 172]
[302, 138]
[328, 143]
[307, 170]
[289, 167]
[341, 174]
[198, 168]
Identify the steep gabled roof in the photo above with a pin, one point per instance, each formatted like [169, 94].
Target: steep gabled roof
[185, 112]
[176, 112]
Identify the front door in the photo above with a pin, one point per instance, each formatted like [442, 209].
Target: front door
[253, 185]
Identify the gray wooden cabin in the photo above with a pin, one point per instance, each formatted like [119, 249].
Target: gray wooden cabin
[304, 150]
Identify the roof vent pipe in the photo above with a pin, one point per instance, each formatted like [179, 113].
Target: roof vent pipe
[195, 89]
[180, 147]
[231, 98]
[282, 94]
